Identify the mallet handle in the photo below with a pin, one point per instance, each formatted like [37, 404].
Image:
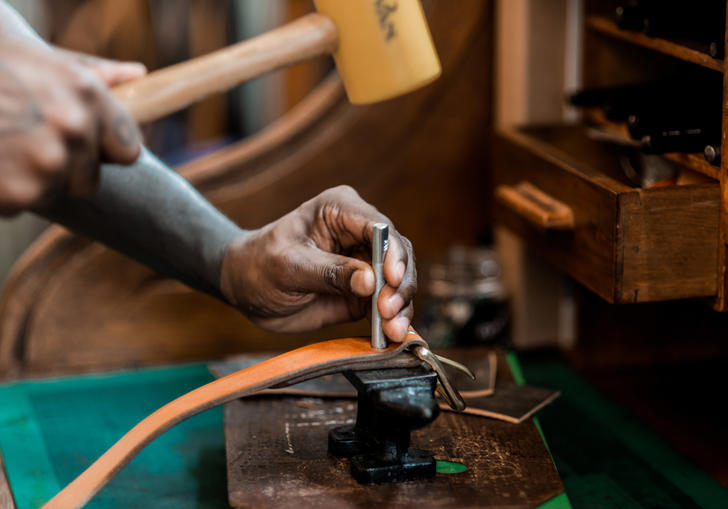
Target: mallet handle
[177, 86]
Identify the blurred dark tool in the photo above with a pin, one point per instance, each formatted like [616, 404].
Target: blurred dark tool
[617, 102]
[701, 21]
[642, 170]
[684, 112]
[690, 123]
[690, 140]
[646, 103]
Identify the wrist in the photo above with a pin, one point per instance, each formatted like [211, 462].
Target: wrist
[234, 264]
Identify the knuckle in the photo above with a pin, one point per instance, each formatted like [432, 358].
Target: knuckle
[76, 122]
[334, 276]
[71, 118]
[51, 157]
[342, 190]
[346, 189]
[87, 85]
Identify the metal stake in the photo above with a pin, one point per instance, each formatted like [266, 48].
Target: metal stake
[380, 235]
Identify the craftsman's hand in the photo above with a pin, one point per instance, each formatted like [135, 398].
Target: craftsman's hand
[311, 268]
[58, 121]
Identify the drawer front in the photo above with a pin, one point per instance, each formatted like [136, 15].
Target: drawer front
[625, 244]
[667, 246]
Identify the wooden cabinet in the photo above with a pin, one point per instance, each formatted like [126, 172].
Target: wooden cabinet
[564, 190]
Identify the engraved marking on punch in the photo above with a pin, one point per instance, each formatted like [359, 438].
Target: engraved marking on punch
[385, 9]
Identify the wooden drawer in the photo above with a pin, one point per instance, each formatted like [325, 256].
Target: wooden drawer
[625, 243]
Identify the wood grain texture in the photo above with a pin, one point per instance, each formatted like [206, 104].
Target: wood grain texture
[172, 88]
[695, 162]
[536, 206]
[721, 301]
[6, 495]
[628, 244]
[277, 457]
[648, 334]
[689, 51]
[71, 305]
[667, 243]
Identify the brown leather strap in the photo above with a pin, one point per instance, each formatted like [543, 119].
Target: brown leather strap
[291, 367]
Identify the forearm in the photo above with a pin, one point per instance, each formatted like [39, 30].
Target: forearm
[153, 215]
[14, 28]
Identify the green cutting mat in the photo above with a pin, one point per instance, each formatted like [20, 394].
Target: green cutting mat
[51, 430]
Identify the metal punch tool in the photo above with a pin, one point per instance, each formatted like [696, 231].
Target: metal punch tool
[380, 240]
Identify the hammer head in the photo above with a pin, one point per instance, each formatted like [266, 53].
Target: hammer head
[385, 47]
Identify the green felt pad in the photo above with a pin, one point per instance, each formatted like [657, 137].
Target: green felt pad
[50, 431]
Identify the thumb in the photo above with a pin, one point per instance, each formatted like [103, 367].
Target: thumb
[319, 271]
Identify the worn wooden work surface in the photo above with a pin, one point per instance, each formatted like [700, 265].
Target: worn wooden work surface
[277, 457]
[6, 497]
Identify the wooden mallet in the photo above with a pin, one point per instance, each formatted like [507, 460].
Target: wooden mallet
[382, 49]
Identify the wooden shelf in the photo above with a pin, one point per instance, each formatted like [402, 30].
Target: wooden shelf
[694, 162]
[689, 51]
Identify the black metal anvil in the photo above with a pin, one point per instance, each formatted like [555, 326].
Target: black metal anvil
[391, 404]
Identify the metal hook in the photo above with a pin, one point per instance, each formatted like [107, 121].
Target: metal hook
[453, 397]
[456, 365]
